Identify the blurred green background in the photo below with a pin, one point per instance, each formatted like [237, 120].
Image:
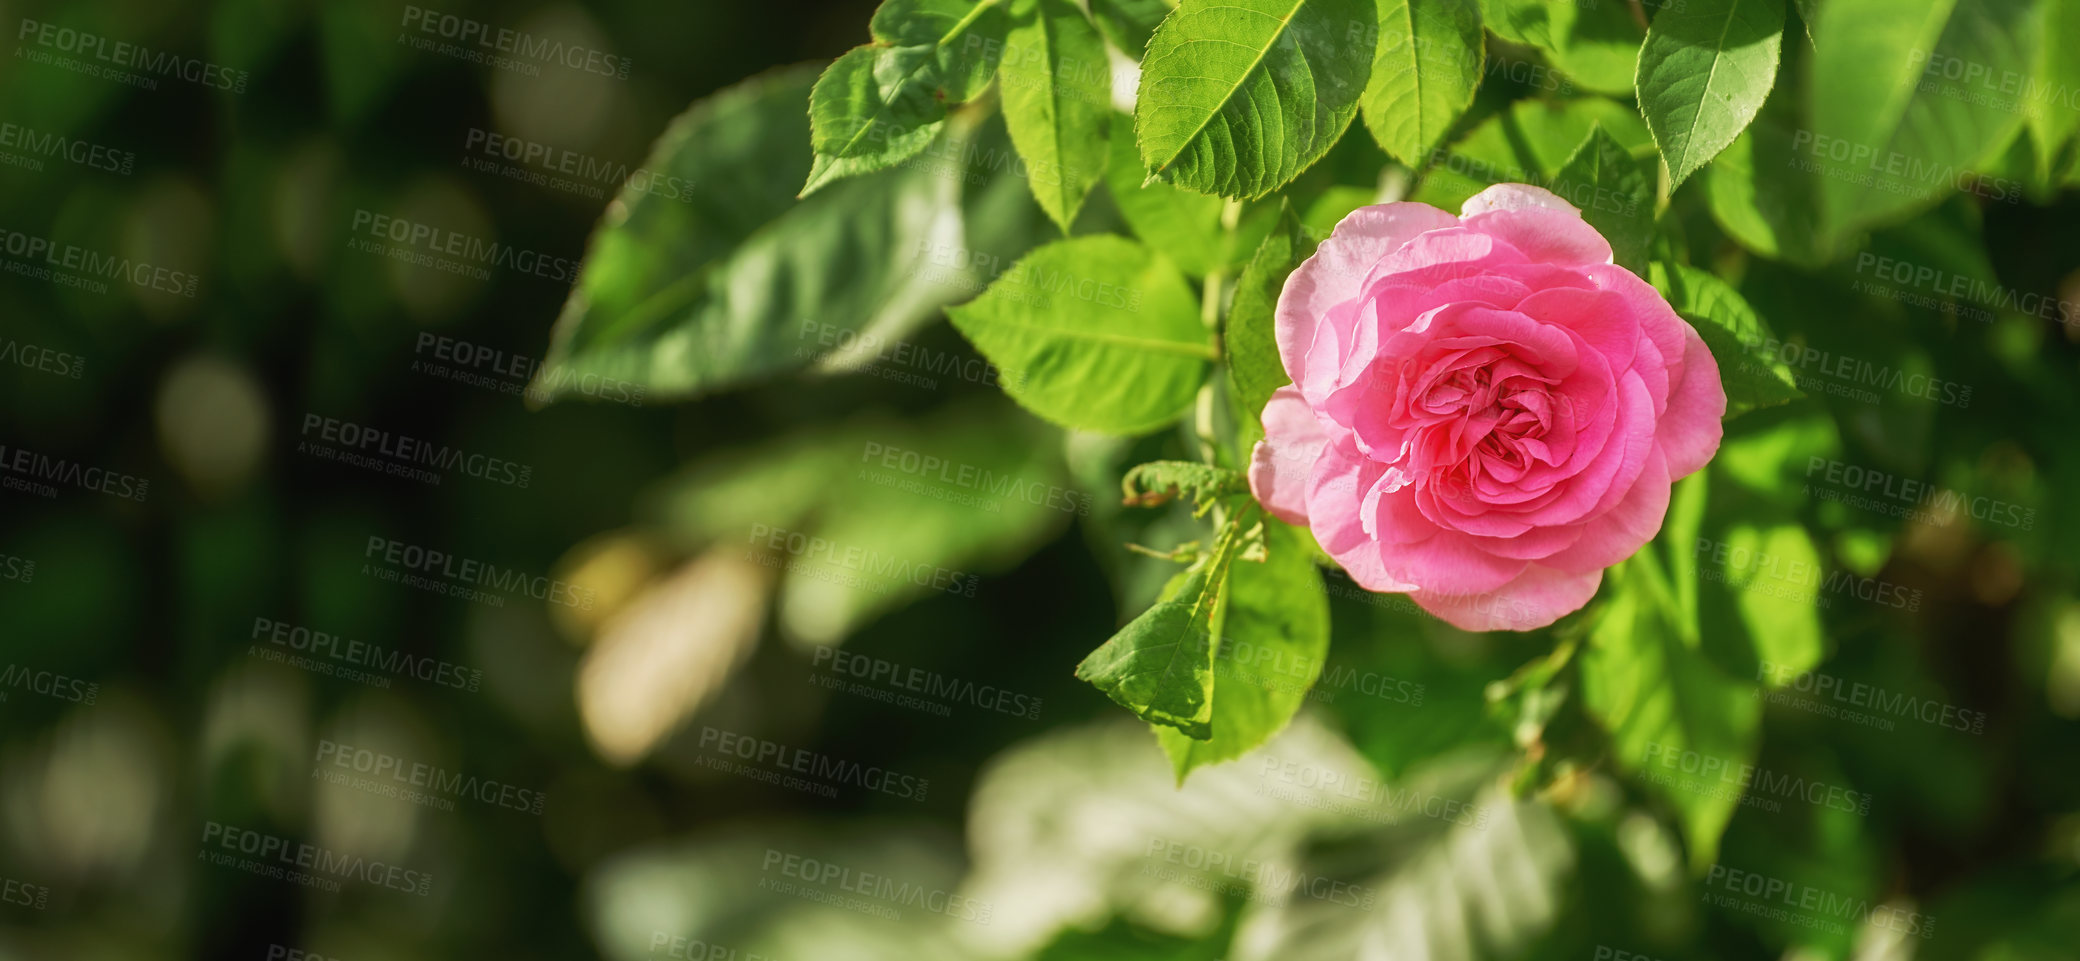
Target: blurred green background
[959, 794]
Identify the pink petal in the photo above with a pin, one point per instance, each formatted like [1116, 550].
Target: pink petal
[1414, 550]
[1334, 274]
[1512, 197]
[1283, 460]
[1544, 235]
[1341, 478]
[1692, 424]
[1537, 598]
[1618, 533]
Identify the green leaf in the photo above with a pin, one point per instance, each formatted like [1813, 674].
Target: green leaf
[1057, 90]
[1761, 594]
[1659, 697]
[1594, 43]
[882, 103]
[1187, 226]
[2053, 113]
[1273, 640]
[1739, 339]
[1615, 194]
[1526, 144]
[1255, 369]
[683, 298]
[1888, 137]
[1424, 73]
[1760, 191]
[1239, 96]
[1704, 73]
[965, 37]
[1096, 333]
[1160, 666]
[1129, 23]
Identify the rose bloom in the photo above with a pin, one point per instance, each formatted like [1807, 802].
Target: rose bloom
[1485, 411]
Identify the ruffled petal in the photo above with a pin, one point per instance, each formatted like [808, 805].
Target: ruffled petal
[1538, 597]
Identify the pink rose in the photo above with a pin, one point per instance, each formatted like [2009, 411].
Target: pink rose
[1485, 411]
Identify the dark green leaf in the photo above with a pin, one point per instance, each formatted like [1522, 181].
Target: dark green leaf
[1615, 194]
[1527, 144]
[1254, 367]
[682, 298]
[1739, 339]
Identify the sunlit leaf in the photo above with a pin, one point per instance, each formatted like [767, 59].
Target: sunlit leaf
[1239, 96]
